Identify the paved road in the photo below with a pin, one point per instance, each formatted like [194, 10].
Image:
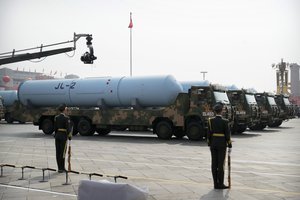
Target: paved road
[265, 164]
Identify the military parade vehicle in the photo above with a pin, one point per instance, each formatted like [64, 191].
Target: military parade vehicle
[1, 108]
[245, 109]
[287, 110]
[297, 110]
[156, 103]
[8, 98]
[269, 111]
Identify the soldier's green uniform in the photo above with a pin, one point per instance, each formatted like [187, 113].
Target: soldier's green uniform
[62, 133]
[218, 139]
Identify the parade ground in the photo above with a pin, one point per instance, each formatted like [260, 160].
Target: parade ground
[265, 165]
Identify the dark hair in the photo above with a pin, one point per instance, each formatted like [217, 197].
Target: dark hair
[218, 107]
[62, 107]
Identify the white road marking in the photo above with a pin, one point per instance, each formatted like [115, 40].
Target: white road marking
[165, 165]
[37, 190]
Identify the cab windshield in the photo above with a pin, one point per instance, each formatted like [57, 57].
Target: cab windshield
[221, 97]
[286, 101]
[271, 101]
[250, 99]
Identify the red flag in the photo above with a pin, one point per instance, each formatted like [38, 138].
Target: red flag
[130, 24]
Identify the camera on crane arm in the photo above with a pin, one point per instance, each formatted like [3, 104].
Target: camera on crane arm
[88, 57]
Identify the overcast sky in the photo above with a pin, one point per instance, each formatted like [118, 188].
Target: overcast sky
[235, 41]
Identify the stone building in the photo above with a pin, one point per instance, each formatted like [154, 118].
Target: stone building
[10, 79]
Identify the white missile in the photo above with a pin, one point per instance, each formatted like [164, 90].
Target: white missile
[186, 85]
[150, 91]
[9, 97]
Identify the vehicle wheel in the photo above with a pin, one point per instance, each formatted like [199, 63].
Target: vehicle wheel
[253, 127]
[103, 131]
[8, 118]
[47, 126]
[195, 131]
[278, 123]
[164, 130]
[241, 129]
[234, 128]
[75, 130]
[272, 125]
[257, 127]
[85, 128]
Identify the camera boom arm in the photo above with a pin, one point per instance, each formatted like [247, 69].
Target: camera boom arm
[12, 57]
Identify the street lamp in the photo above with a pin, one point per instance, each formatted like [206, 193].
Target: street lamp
[203, 74]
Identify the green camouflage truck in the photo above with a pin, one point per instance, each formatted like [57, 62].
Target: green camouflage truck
[286, 108]
[269, 111]
[8, 97]
[186, 116]
[1, 109]
[245, 109]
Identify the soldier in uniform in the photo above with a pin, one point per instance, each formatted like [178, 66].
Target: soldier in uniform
[218, 139]
[62, 130]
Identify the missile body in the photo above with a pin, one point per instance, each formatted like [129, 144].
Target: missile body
[9, 97]
[150, 91]
[186, 85]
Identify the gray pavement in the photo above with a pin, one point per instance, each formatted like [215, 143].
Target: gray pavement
[265, 164]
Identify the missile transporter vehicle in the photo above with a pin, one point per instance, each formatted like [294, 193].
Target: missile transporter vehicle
[287, 110]
[207, 96]
[8, 99]
[101, 105]
[269, 111]
[1, 109]
[211, 94]
[297, 110]
[245, 109]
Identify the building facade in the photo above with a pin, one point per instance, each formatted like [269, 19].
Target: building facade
[11, 79]
[295, 83]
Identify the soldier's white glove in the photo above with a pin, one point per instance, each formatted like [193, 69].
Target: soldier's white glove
[229, 151]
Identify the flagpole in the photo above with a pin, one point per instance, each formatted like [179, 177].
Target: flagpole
[130, 26]
[130, 51]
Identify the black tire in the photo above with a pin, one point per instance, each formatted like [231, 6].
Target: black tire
[241, 129]
[254, 127]
[85, 128]
[47, 126]
[272, 125]
[195, 131]
[278, 123]
[103, 131]
[74, 124]
[8, 118]
[164, 130]
[257, 127]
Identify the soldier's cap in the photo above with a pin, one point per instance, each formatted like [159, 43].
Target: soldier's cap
[62, 107]
[218, 107]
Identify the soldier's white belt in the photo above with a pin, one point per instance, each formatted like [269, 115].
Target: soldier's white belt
[218, 134]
